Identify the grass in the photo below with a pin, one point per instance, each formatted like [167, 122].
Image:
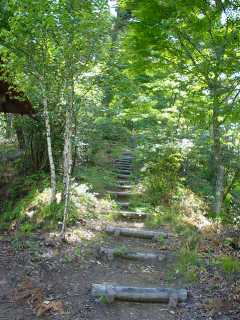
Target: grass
[188, 264]
[99, 178]
[120, 251]
[188, 260]
[228, 264]
[161, 217]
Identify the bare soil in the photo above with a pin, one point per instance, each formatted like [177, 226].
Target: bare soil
[42, 278]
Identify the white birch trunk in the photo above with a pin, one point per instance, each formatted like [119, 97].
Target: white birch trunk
[50, 153]
[67, 158]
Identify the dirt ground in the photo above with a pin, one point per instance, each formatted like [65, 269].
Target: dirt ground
[41, 278]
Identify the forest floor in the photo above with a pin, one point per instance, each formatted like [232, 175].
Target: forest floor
[41, 276]
[44, 278]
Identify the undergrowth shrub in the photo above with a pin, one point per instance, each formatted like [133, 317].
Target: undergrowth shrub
[162, 174]
[228, 264]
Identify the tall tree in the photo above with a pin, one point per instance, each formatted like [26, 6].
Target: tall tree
[196, 42]
[30, 58]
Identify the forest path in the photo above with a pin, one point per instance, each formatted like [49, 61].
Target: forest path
[130, 257]
[38, 271]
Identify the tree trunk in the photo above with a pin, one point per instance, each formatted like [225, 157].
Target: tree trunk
[219, 166]
[50, 152]
[20, 138]
[67, 157]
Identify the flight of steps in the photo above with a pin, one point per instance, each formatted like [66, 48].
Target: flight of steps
[112, 291]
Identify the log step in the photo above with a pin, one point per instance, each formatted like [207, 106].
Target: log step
[120, 193]
[111, 292]
[123, 204]
[123, 253]
[123, 163]
[132, 215]
[124, 171]
[123, 176]
[121, 168]
[126, 160]
[123, 182]
[136, 233]
[126, 168]
[122, 186]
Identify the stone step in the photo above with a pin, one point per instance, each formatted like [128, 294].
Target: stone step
[136, 233]
[112, 292]
[122, 252]
[133, 215]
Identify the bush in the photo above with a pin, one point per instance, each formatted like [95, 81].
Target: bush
[162, 175]
[228, 264]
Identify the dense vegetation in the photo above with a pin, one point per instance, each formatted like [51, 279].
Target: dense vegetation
[162, 74]
[159, 80]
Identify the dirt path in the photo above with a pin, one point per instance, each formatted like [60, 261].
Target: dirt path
[53, 280]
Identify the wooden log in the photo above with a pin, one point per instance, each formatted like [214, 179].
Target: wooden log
[127, 169]
[123, 176]
[111, 292]
[125, 254]
[132, 215]
[120, 193]
[124, 171]
[125, 187]
[123, 159]
[126, 159]
[134, 232]
[123, 204]
[123, 182]
[124, 162]
[124, 165]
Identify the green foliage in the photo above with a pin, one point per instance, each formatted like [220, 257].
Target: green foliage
[111, 130]
[162, 175]
[228, 264]
[99, 178]
[162, 216]
[120, 251]
[188, 264]
[162, 240]
[52, 214]
[22, 193]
